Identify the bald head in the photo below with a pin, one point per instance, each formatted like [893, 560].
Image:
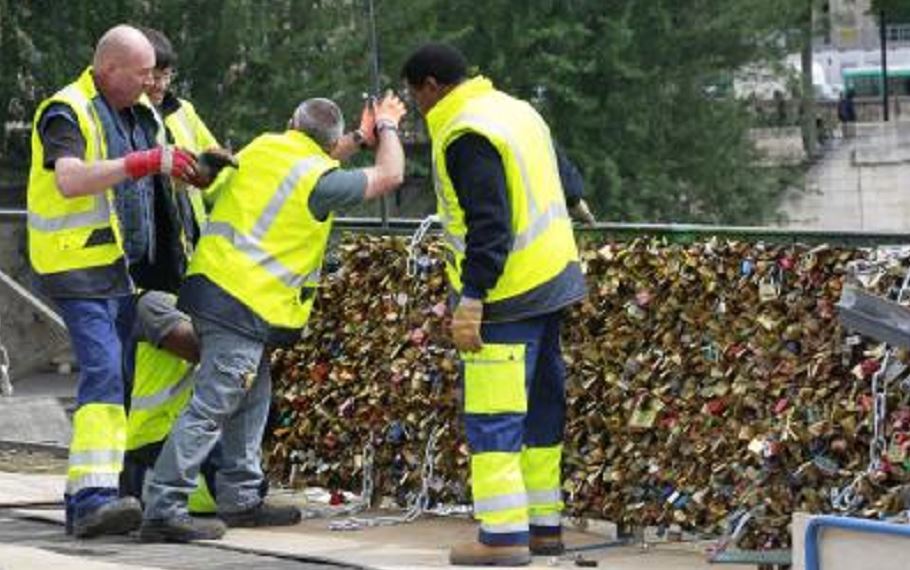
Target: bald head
[123, 63]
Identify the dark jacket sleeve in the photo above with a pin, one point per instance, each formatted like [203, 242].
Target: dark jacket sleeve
[479, 178]
[573, 186]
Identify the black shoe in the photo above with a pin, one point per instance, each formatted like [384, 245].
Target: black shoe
[263, 514]
[181, 529]
[118, 516]
[547, 545]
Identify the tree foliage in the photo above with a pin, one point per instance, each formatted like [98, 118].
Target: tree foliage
[895, 10]
[637, 92]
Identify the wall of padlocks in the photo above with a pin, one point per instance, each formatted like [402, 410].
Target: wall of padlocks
[705, 380]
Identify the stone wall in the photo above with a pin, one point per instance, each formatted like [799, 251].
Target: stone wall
[32, 341]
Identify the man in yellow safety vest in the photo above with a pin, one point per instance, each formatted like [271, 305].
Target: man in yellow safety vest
[513, 265]
[251, 283]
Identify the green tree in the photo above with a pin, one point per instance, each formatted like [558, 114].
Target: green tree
[895, 10]
[639, 93]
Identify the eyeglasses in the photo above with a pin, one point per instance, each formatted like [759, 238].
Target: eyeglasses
[163, 77]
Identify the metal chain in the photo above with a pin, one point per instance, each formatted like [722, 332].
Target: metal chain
[6, 385]
[416, 239]
[848, 499]
[419, 504]
[366, 491]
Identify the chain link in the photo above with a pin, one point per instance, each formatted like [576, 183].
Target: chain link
[6, 385]
[366, 491]
[418, 505]
[849, 499]
[414, 244]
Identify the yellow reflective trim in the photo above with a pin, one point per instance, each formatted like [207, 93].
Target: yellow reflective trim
[546, 520]
[504, 527]
[540, 468]
[99, 426]
[496, 473]
[498, 489]
[74, 484]
[501, 503]
[96, 458]
[201, 501]
[544, 497]
[494, 379]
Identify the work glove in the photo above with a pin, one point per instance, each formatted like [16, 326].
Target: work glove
[466, 325]
[168, 160]
[211, 162]
[581, 213]
[389, 111]
[366, 132]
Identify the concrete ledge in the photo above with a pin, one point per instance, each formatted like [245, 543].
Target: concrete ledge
[37, 420]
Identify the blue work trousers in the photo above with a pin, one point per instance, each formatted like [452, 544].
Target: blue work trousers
[515, 438]
[101, 334]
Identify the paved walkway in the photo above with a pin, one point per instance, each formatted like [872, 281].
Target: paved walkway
[32, 537]
[861, 184]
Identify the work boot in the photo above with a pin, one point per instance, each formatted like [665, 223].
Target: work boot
[182, 528]
[479, 554]
[263, 514]
[546, 544]
[118, 516]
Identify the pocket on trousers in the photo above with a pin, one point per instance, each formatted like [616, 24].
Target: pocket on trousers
[237, 368]
[494, 380]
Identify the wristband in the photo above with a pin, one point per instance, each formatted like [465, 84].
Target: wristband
[386, 126]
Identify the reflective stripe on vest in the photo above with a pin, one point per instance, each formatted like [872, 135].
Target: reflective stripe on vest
[542, 241]
[262, 244]
[252, 249]
[182, 130]
[99, 215]
[250, 245]
[145, 403]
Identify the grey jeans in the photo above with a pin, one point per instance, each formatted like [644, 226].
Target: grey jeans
[230, 402]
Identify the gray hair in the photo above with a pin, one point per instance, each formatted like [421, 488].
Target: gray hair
[320, 119]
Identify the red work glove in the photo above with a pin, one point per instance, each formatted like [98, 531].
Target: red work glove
[168, 160]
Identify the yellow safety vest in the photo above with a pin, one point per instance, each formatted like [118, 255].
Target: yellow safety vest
[162, 386]
[261, 244]
[543, 241]
[60, 228]
[189, 132]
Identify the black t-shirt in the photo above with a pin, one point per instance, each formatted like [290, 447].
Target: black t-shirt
[60, 135]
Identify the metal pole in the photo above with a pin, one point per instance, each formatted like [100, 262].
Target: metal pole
[374, 81]
[883, 34]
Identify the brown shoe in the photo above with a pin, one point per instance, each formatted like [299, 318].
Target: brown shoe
[478, 554]
[546, 545]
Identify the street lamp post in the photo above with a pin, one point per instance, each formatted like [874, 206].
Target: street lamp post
[883, 34]
[374, 83]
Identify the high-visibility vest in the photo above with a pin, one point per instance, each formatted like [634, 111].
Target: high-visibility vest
[162, 385]
[262, 244]
[543, 241]
[61, 229]
[190, 133]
